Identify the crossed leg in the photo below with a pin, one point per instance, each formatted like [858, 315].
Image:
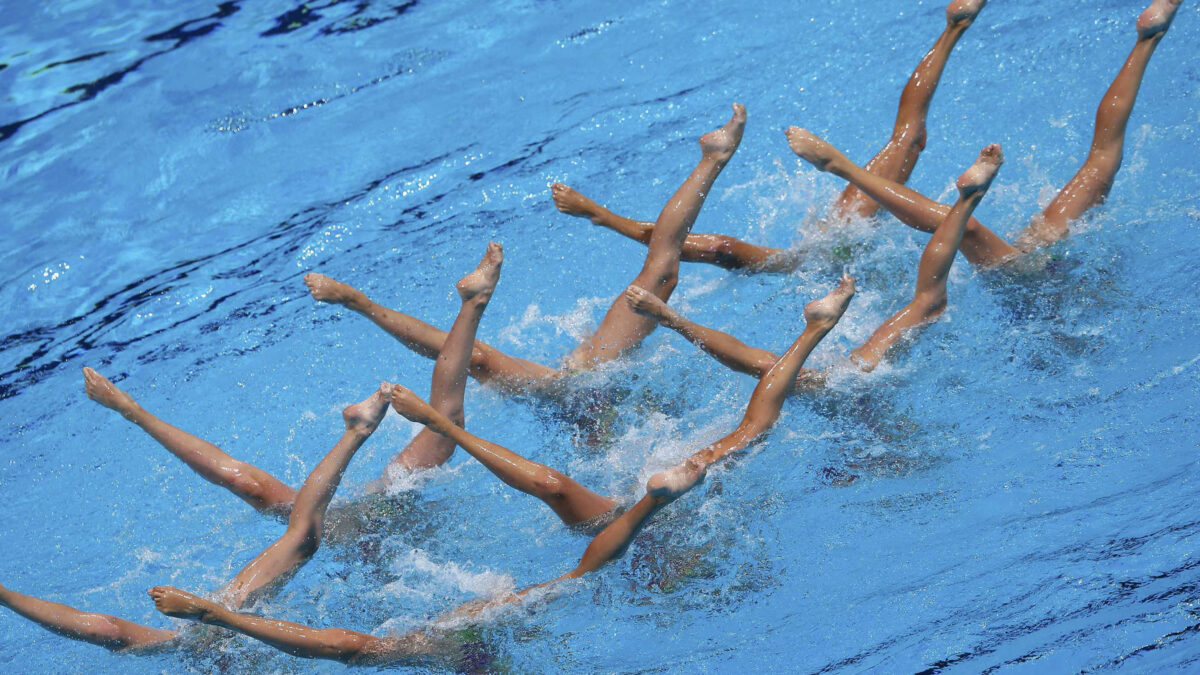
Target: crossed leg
[349, 646]
[728, 350]
[429, 449]
[272, 568]
[895, 161]
[249, 483]
[622, 328]
[1091, 184]
[1088, 188]
[266, 571]
[761, 413]
[929, 300]
[488, 364]
[980, 245]
[570, 501]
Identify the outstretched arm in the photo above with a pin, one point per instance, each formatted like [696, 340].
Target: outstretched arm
[929, 300]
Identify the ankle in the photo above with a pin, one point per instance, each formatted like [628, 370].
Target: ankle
[133, 412]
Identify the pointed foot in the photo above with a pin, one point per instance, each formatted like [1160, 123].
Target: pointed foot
[180, 604]
[479, 284]
[978, 178]
[720, 144]
[101, 390]
[366, 415]
[826, 312]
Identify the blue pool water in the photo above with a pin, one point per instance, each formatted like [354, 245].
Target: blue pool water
[1014, 493]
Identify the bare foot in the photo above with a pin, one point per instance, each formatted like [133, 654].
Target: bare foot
[104, 392]
[648, 304]
[812, 149]
[411, 406]
[327, 289]
[720, 144]
[1157, 18]
[825, 312]
[479, 284]
[978, 178]
[672, 483]
[960, 13]
[366, 415]
[180, 604]
[571, 202]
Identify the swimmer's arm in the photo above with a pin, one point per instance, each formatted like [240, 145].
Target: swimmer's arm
[336, 644]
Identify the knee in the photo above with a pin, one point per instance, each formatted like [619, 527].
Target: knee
[911, 137]
[666, 280]
[930, 303]
[105, 630]
[723, 248]
[763, 364]
[548, 483]
[304, 539]
[242, 479]
[347, 646]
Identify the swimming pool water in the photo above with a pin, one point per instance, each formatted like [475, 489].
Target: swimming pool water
[1013, 493]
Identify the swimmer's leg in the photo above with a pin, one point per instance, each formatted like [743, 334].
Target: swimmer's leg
[450, 370]
[275, 565]
[898, 157]
[730, 351]
[251, 484]
[716, 249]
[336, 644]
[980, 245]
[622, 328]
[764, 407]
[572, 502]
[104, 630]
[929, 300]
[1092, 182]
[488, 364]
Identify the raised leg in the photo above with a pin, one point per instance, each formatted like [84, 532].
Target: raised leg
[726, 349]
[929, 300]
[898, 157]
[450, 370]
[572, 502]
[762, 411]
[716, 249]
[275, 565]
[488, 364]
[1092, 182]
[336, 644]
[622, 328]
[251, 484]
[107, 631]
[730, 351]
[980, 245]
